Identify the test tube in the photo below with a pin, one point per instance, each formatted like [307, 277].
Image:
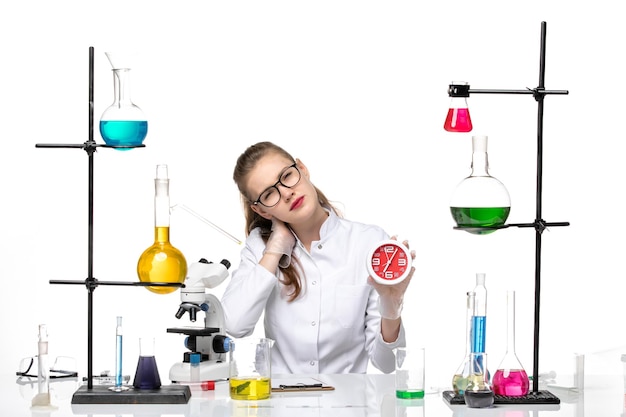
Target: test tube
[119, 376]
[118, 352]
[42, 358]
[42, 399]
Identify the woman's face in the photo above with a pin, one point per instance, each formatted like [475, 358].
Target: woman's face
[296, 203]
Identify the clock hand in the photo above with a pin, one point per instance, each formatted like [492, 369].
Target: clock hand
[390, 259]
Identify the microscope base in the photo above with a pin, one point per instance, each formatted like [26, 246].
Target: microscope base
[209, 371]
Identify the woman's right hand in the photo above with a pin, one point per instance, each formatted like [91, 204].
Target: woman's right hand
[281, 242]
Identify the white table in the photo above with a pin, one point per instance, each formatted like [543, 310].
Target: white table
[355, 395]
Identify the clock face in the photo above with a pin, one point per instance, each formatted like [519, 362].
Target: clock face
[389, 262]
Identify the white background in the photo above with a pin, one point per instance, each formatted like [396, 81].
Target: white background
[358, 91]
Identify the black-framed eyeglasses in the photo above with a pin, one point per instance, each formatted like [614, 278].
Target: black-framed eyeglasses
[60, 369]
[289, 178]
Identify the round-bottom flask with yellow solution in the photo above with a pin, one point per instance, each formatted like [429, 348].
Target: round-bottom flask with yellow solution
[162, 262]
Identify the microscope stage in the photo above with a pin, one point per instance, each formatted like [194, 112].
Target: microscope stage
[194, 331]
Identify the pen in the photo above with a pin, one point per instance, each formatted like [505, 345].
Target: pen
[300, 386]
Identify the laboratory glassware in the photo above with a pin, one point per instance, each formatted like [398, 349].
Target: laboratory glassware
[479, 318]
[623, 358]
[478, 393]
[458, 118]
[410, 372]
[147, 373]
[480, 203]
[42, 358]
[407, 408]
[122, 123]
[510, 378]
[42, 399]
[162, 262]
[250, 368]
[460, 378]
[119, 376]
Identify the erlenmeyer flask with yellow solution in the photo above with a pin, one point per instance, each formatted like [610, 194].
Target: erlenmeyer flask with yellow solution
[162, 262]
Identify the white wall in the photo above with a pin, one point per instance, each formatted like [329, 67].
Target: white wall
[350, 87]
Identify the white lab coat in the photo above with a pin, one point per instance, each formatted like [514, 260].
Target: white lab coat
[334, 326]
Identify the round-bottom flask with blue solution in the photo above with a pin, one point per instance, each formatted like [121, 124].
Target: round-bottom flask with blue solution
[122, 124]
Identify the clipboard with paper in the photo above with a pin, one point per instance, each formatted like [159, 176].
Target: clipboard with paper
[299, 384]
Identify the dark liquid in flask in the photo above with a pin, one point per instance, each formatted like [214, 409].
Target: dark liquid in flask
[147, 374]
[478, 399]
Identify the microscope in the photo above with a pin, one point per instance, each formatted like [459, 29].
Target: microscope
[208, 343]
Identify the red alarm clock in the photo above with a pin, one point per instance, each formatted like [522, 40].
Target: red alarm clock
[389, 262]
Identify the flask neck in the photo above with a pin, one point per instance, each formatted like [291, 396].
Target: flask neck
[480, 164]
[121, 86]
[480, 296]
[162, 234]
[458, 103]
[510, 325]
[161, 204]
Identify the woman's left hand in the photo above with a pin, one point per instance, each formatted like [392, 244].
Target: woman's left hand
[392, 296]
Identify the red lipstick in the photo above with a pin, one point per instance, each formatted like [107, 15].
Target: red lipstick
[297, 203]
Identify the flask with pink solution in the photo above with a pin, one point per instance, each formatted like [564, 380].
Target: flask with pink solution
[510, 378]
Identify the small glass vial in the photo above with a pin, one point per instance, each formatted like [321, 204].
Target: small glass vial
[510, 378]
[481, 203]
[162, 262]
[461, 376]
[122, 124]
[478, 393]
[458, 118]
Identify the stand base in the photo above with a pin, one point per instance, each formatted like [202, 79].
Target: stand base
[101, 394]
[539, 397]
